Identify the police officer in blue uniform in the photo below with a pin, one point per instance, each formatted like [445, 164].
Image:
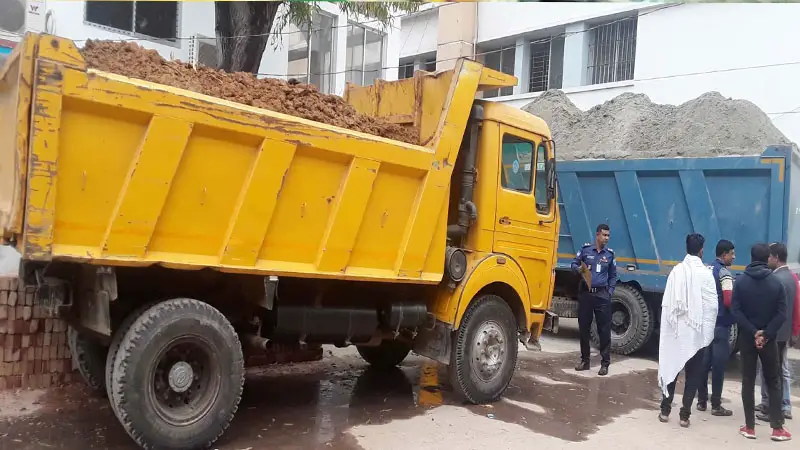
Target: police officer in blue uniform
[595, 300]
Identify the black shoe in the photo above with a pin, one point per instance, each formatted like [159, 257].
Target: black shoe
[787, 415]
[720, 411]
[761, 408]
[603, 371]
[583, 365]
[702, 406]
[762, 417]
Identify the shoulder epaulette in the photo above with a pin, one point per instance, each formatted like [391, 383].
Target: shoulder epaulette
[610, 249]
[587, 244]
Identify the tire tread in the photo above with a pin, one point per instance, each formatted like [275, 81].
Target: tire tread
[139, 329]
[460, 384]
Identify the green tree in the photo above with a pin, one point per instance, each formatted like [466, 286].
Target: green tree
[243, 27]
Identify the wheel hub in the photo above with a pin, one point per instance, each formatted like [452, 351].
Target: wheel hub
[181, 376]
[490, 350]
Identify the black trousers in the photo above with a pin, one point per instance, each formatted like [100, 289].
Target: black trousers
[591, 306]
[693, 374]
[770, 370]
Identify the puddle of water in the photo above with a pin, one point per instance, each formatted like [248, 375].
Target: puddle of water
[315, 407]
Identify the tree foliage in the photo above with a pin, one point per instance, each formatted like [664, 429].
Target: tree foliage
[243, 27]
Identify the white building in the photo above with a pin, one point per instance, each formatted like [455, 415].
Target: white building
[339, 49]
[595, 51]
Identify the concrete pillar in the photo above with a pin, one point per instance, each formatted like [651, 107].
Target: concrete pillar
[391, 52]
[339, 54]
[456, 33]
[418, 64]
[522, 65]
[576, 55]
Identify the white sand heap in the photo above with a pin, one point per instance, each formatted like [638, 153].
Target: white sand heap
[632, 126]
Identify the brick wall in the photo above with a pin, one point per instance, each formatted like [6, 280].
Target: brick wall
[34, 352]
[33, 345]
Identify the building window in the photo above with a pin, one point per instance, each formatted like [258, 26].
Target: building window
[364, 55]
[612, 52]
[154, 19]
[429, 65]
[502, 60]
[547, 61]
[405, 71]
[311, 53]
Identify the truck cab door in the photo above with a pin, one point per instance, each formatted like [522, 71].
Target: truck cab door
[525, 217]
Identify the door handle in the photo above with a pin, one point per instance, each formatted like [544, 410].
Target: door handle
[505, 221]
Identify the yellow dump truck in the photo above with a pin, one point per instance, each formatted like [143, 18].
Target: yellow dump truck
[176, 232]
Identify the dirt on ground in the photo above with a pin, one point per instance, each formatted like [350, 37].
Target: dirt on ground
[296, 99]
[632, 126]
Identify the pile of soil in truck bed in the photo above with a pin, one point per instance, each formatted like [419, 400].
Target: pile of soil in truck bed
[296, 99]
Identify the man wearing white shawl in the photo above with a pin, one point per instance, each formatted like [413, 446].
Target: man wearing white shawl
[688, 316]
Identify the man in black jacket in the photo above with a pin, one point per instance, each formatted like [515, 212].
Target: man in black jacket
[759, 306]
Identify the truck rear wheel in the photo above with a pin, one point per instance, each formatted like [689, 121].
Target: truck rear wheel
[177, 376]
[388, 354]
[632, 323]
[90, 357]
[733, 339]
[484, 354]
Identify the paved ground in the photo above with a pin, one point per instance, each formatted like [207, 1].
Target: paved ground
[340, 404]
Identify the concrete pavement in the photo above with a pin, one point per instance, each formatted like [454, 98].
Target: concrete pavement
[338, 403]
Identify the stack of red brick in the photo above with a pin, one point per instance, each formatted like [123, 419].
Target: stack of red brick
[33, 345]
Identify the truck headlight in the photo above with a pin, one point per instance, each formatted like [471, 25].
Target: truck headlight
[455, 263]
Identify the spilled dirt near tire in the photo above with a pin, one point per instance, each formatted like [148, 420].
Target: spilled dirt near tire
[296, 99]
[333, 403]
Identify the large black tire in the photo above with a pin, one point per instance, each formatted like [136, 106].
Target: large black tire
[113, 349]
[564, 308]
[388, 354]
[733, 339]
[632, 322]
[178, 376]
[90, 357]
[488, 324]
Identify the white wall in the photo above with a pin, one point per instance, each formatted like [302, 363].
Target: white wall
[418, 33]
[194, 18]
[501, 19]
[685, 51]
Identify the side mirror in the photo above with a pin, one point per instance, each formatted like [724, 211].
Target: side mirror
[550, 170]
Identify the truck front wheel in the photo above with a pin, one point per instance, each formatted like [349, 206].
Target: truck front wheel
[484, 354]
[177, 376]
[388, 354]
[90, 357]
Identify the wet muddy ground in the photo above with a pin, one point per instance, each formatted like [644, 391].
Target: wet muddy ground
[339, 403]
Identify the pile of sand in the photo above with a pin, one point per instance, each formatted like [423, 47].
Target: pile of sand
[632, 126]
[297, 99]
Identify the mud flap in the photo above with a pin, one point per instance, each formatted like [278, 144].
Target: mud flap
[434, 342]
[531, 340]
[551, 322]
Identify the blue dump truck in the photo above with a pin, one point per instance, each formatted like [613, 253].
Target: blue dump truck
[651, 205]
